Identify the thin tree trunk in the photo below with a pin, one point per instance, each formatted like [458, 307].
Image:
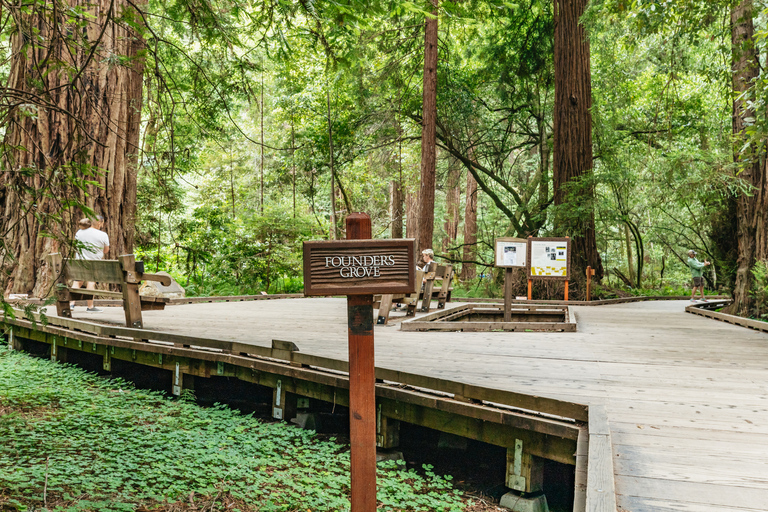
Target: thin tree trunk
[469, 270]
[630, 268]
[452, 204]
[411, 214]
[397, 185]
[88, 122]
[572, 153]
[293, 163]
[428, 133]
[261, 159]
[333, 233]
[397, 209]
[745, 70]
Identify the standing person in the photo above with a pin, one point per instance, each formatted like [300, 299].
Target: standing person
[697, 267]
[93, 245]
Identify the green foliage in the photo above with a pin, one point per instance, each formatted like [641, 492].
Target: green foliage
[103, 445]
[759, 290]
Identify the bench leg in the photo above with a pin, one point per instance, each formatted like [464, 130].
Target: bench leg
[427, 301]
[384, 309]
[62, 303]
[131, 299]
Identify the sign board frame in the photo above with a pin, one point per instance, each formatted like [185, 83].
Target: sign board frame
[400, 277]
[567, 241]
[499, 258]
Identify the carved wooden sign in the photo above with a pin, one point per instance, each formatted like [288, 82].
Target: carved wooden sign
[359, 267]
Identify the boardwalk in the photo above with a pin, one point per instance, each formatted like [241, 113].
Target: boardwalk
[686, 396]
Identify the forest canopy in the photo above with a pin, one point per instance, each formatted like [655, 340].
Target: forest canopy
[215, 135]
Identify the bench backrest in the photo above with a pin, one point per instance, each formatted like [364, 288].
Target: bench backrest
[100, 271]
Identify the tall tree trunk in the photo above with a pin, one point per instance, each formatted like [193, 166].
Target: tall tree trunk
[452, 204]
[397, 209]
[572, 155]
[428, 132]
[293, 162]
[397, 185]
[85, 126]
[261, 154]
[745, 70]
[468, 270]
[411, 214]
[333, 231]
[630, 268]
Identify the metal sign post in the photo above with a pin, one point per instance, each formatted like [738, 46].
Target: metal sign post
[358, 267]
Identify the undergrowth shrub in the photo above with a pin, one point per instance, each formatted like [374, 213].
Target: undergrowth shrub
[70, 440]
[759, 290]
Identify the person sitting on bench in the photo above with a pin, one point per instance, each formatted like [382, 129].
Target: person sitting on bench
[93, 245]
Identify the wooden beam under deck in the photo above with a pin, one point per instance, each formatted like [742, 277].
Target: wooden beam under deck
[490, 420]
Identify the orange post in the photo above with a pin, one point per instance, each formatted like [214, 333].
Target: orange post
[530, 295]
[590, 272]
[566, 290]
[362, 382]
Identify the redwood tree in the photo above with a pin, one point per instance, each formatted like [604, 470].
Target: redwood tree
[72, 114]
[426, 220]
[572, 152]
[468, 270]
[750, 206]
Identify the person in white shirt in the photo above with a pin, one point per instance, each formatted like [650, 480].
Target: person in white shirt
[93, 244]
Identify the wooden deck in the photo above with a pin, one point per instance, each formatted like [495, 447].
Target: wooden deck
[686, 396]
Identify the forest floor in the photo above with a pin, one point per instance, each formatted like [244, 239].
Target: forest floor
[70, 440]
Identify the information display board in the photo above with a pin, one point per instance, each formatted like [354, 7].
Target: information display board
[550, 258]
[359, 267]
[511, 252]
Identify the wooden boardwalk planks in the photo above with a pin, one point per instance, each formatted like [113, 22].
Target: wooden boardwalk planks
[686, 397]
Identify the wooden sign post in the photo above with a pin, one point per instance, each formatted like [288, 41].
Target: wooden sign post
[590, 275]
[359, 267]
[510, 253]
[549, 259]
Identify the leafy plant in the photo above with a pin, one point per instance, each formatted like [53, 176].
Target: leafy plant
[759, 290]
[70, 440]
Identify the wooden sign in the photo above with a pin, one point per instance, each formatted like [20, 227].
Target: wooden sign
[359, 267]
[549, 258]
[511, 252]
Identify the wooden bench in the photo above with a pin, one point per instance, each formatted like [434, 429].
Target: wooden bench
[124, 271]
[444, 274]
[425, 293]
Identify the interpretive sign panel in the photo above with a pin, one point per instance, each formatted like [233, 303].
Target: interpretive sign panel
[359, 267]
[550, 258]
[511, 252]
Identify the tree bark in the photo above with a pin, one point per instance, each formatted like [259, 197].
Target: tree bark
[749, 213]
[396, 205]
[426, 216]
[87, 113]
[333, 233]
[452, 205]
[469, 270]
[572, 154]
[411, 214]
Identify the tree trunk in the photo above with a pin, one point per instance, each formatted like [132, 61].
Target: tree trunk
[630, 268]
[411, 214]
[333, 233]
[572, 154]
[87, 112]
[452, 205]
[397, 209]
[468, 270]
[748, 212]
[428, 143]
